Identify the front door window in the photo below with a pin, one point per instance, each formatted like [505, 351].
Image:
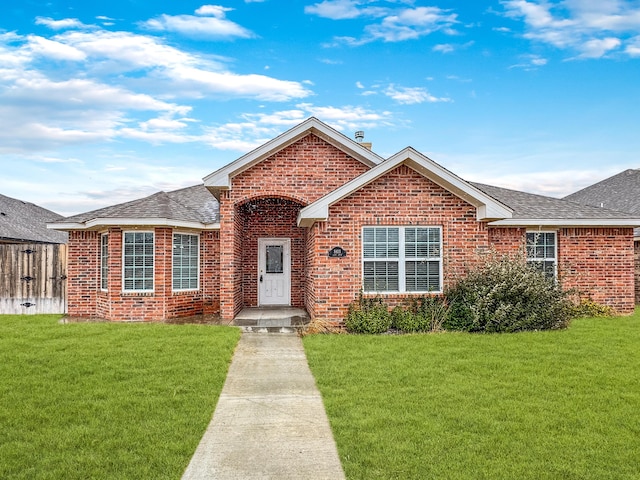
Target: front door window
[274, 259]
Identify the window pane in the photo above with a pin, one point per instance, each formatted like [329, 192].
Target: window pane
[541, 251]
[104, 262]
[185, 262]
[138, 261]
[421, 242]
[422, 276]
[380, 242]
[381, 277]
[275, 259]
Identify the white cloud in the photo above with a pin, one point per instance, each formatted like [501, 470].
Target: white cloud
[396, 24]
[217, 11]
[412, 95]
[63, 24]
[597, 47]
[443, 48]
[593, 28]
[256, 86]
[182, 72]
[95, 97]
[257, 128]
[633, 47]
[411, 23]
[54, 50]
[530, 62]
[210, 23]
[344, 9]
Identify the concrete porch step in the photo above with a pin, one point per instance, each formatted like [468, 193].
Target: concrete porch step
[257, 329]
[271, 320]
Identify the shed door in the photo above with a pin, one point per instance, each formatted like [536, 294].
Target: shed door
[274, 271]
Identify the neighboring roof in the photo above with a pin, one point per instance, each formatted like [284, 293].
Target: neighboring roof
[221, 179]
[191, 207]
[26, 222]
[487, 207]
[538, 210]
[620, 192]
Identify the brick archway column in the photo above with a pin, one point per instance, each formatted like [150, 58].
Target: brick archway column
[229, 269]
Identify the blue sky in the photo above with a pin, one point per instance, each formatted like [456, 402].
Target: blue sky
[104, 102]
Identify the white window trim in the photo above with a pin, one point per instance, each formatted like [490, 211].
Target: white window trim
[545, 259]
[198, 261]
[401, 259]
[152, 290]
[102, 236]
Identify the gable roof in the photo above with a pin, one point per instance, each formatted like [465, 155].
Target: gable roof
[537, 210]
[26, 222]
[191, 207]
[487, 207]
[619, 192]
[221, 179]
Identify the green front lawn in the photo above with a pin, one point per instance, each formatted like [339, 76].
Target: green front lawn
[538, 405]
[104, 400]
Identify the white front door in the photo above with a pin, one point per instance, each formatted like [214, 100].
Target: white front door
[274, 271]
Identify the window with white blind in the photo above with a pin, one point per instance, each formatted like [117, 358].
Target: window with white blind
[104, 261]
[185, 262]
[137, 261]
[402, 259]
[541, 251]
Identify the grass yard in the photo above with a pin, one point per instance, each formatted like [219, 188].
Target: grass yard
[104, 400]
[538, 405]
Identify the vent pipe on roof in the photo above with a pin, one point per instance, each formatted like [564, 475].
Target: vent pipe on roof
[360, 137]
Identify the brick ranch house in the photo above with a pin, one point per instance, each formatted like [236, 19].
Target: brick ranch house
[311, 218]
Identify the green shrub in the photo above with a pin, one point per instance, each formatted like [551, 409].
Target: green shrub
[368, 315]
[424, 314]
[589, 308]
[507, 295]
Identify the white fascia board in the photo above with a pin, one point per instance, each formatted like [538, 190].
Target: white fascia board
[221, 179]
[486, 207]
[96, 223]
[563, 222]
[66, 226]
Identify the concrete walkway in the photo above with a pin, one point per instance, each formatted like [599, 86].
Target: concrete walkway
[270, 422]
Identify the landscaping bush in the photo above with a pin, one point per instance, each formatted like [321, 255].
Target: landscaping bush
[368, 315]
[424, 314]
[507, 295]
[588, 308]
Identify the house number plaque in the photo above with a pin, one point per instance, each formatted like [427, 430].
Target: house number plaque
[338, 252]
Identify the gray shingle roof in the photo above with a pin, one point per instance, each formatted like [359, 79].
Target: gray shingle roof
[26, 222]
[620, 192]
[195, 204]
[539, 207]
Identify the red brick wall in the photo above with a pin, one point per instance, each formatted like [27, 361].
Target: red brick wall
[86, 299]
[599, 262]
[401, 197]
[210, 271]
[636, 250]
[508, 240]
[595, 261]
[302, 172]
[83, 276]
